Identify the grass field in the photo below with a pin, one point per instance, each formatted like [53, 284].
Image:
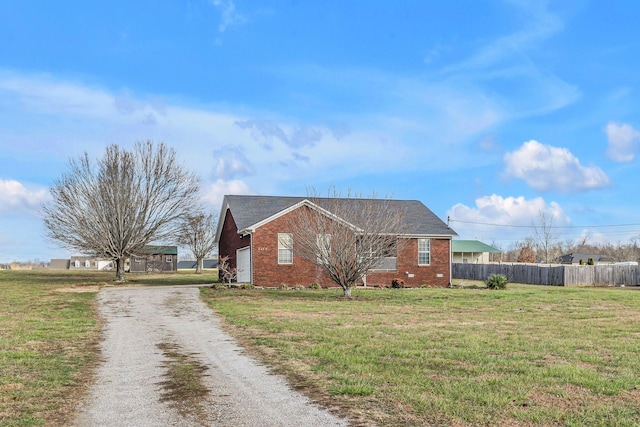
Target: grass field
[523, 356]
[49, 332]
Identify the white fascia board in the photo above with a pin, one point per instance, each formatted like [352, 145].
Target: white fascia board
[223, 211]
[427, 236]
[332, 216]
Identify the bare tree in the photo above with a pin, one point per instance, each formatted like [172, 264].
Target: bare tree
[621, 252]
[522, 250]
[198, 233]
[226, 271]
[496, 257]
[113, 207]
[346, 236]
[546, 236]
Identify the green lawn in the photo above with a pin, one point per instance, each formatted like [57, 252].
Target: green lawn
[524, 356]
[528, 355]
[48, 339]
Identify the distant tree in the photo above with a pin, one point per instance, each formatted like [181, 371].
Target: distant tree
[527, 255]
[525, 247]
[114, 206]
[546, 236]
[198, 233]
[621, 252]
[346, 235]
[496, 257]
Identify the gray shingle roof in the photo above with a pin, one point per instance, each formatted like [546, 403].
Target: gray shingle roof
[575, 257]
[248, 211]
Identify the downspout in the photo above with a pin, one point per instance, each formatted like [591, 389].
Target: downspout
[450, 263]
[251, 258]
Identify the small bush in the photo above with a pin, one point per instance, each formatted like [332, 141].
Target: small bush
[397, 283]
[496, 281]
[219, 286]
[314, 286]
[247, 286]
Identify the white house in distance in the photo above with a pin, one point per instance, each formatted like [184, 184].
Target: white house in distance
[471, 252]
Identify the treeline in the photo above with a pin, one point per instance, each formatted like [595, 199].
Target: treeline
[26, 265]
[531, 250]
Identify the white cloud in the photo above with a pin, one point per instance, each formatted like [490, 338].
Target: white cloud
[16, 197]
[213, 193]
[503, 218]
[548, 168]
[623, 142]
[231, 162]
[266, 130]
[496, 209]
[74, 117]
[230, 16]
[541, 25]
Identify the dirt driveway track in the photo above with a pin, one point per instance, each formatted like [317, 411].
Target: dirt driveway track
[139, 325]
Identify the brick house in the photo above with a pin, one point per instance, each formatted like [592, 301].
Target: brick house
[250, 227]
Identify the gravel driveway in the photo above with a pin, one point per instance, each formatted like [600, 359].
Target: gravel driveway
[140, 324]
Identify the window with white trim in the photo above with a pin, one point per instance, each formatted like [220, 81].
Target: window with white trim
[285, 248]
[77, 264]
[87, 264]
[169, 258]
[424, 251]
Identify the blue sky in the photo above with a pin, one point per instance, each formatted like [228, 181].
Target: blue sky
[487, 112]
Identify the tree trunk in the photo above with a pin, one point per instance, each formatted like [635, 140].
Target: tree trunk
[120, 270]
[347, 292]
[199, 265]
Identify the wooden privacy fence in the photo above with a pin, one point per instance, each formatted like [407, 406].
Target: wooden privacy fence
[554, 275]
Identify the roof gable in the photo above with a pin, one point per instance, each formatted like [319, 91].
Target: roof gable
[250, 212]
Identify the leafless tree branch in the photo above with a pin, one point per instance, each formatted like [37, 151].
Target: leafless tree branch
[120, 203]
[346, 236]
[198, 233]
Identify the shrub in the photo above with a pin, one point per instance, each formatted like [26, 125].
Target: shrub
[496, 281]
[219, 286]
[397, 283]
[247, 286]
[590, 261]
[314, 286]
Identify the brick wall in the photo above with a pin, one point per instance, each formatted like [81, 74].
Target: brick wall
[230, 241]
[267, 271]
[407, 265]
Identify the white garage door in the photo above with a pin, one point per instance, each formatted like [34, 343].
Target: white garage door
[243, 257]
